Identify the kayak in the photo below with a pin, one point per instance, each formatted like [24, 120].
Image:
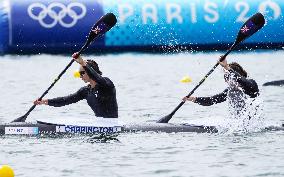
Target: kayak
[38, 128]
[104, 126]
[274, 83]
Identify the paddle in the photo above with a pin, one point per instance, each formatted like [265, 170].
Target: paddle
[251, 26]
[104, 24]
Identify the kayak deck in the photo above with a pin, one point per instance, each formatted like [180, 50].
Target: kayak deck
[25, 128]
[169, 128]
[274, 83]
[39, 128]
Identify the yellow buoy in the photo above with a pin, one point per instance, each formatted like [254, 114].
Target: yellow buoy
[6, 171]
[186, 79]
[76, 74]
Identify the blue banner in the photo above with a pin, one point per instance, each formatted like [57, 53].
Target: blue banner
[176, 22]
[62, 26]
[48, 23]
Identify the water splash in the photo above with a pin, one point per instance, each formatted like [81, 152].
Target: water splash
[246, 120]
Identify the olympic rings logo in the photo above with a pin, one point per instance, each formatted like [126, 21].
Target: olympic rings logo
[57, 13]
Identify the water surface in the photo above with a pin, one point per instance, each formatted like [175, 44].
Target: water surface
[148, 88]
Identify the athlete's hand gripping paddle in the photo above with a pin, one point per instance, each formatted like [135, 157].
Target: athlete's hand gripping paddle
[104, 24]
[251, 26]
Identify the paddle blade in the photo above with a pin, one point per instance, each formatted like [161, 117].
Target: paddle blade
[20, 119]
[104, 24]
[251, 26]
[165, 119]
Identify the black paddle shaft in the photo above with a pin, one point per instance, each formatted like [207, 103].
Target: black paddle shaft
[251, 26]
[104, 24]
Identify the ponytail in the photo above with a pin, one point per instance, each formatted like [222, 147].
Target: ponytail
[238, 68]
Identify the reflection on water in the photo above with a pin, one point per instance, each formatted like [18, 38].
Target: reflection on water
[102, 138]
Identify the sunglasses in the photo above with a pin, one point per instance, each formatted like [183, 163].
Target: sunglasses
[82, 73]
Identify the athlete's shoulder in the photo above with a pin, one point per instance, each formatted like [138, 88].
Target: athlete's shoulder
[253, 82]
[109, 82]
[253, 89]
